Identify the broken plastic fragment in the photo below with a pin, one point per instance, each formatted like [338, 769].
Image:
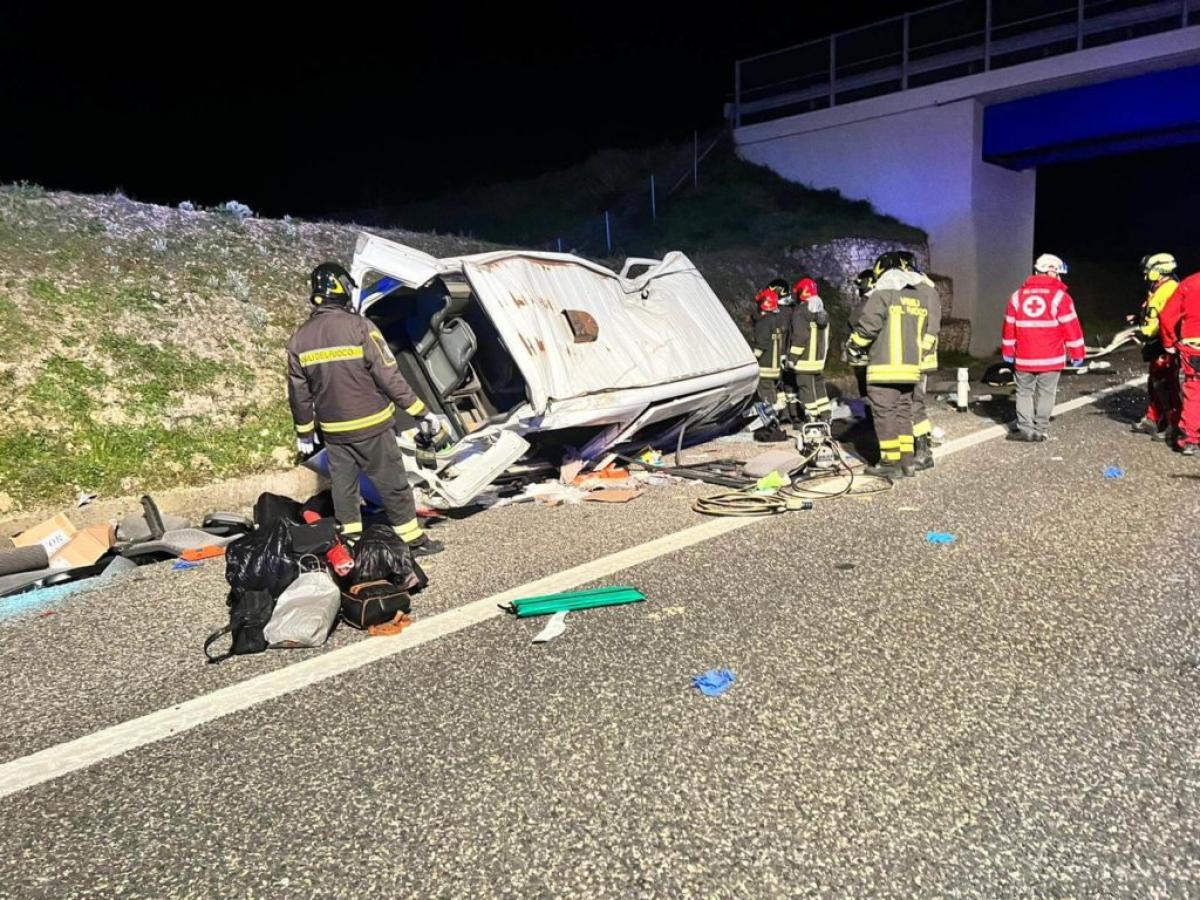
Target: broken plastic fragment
[556, 626]
[714, 682]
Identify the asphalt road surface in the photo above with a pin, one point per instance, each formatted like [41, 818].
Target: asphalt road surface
[1016, 713]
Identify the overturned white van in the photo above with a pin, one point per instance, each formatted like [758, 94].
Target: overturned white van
[556, 351]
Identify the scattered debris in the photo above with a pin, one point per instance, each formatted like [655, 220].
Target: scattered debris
[844, 566]
[181, 564]
[714, 682]
[614, 496]
[772, 481]
[573, 600]
[83, 498]
[939, 537]
[667, 612]
[393, 627]
[1114, 472]
[556, 626]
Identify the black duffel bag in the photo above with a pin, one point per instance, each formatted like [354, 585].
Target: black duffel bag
[249, 613]
[373, 603]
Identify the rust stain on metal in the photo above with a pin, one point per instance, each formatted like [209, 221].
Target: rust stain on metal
[541, 345]
[519, 300]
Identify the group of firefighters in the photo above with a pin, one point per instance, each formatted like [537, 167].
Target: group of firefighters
[344, 382]
[893, 345]
[1169, 331]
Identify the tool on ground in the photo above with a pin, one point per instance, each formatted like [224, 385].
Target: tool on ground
[338, 557]
[574, 600]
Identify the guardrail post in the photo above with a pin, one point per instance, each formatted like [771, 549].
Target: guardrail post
[904, 57]
[737, 94]
[1079, 26]
[833, 70]
[987, 36]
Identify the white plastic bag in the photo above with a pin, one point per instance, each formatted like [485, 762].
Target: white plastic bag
[305, 611]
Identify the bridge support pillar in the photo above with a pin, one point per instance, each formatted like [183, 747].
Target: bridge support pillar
[925, 167]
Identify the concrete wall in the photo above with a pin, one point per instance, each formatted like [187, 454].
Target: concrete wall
[924, 166]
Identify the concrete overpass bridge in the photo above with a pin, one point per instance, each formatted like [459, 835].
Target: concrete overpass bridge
[940, 117]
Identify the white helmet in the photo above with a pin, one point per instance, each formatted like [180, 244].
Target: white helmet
[1049, 264]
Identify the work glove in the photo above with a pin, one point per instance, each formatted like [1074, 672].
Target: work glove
[815, 305]
[1129, 320]
[1077, 363]
[1009, 360]
[306, 445]
[438, 434]
[1170, 350]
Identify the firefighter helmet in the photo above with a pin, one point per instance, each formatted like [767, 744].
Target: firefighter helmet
[805, 288]
[865, 282]
[780, 287]
[905, 260]
[331, 283]
[1158, 266]
[768, 300]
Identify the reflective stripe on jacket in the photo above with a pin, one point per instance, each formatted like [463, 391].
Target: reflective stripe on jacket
[809, 339]
[343, 378]
[1041, 327]
[769, 331]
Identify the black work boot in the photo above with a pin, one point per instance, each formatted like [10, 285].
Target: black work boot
[426, 546]
[884, 470]
[923, 457]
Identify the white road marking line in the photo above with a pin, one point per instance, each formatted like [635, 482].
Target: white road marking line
[59, 760]
[71, 756]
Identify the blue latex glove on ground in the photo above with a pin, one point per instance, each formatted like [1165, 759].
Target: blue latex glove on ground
[714, 682]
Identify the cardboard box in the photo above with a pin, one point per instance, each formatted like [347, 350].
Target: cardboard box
[54, 534]
[85, 547]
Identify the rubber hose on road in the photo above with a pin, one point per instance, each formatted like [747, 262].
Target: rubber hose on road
[23, 559]
[738, 503]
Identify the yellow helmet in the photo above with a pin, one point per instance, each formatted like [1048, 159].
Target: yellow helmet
[1158, 266]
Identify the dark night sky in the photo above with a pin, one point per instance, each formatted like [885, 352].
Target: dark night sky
[307, 112]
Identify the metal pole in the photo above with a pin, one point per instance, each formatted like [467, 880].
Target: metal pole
[1079, 26]
[833, 70]
[904, 57]
[607, 233]
[653, 201]
[696, 157]
[987, 36]
[737, 94]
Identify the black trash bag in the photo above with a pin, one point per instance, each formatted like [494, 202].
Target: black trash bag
[262, 561]
[381, 555]
[249, 613]
[321, 504]
[271, 508]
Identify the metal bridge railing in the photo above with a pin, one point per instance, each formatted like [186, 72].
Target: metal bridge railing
[950, 40]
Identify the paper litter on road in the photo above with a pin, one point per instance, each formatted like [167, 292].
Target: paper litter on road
[714, 682]
[556, 626]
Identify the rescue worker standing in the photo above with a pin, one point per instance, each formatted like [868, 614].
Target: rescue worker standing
[1162, 412]
[1041, 330]
[891, 334]
[789, 399]
[770, 330]
[809, 347]
[344, 384]
[1180, 331]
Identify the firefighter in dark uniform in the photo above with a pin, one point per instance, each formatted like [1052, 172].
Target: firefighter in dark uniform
[789, 399]
[807, 351]
[344, 385]
[892, 335]
[770, 332]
